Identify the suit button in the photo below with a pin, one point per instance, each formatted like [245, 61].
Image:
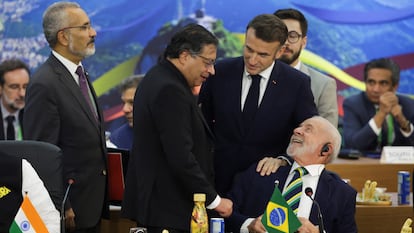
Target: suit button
[104, 172]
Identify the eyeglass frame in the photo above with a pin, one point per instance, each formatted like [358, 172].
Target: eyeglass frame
[207, 61]
[296, 37]
[85, 27]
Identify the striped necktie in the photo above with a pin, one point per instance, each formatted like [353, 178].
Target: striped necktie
[293, 191]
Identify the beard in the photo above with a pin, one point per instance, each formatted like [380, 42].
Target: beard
[289, 60]
[12, 104]
[89, 51]
[299, 151]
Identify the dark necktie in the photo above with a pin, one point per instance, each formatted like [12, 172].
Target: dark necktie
[251, 102]
[293, 191]
[10, 128]
[83, 84]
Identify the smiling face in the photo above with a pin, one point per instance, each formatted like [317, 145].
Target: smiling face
[258, 54]
[307, 141]
[196, 68]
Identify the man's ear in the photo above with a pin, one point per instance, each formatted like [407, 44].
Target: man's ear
[62, 38]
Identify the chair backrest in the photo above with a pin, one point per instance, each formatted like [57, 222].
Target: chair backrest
[45, 158]
[117, 167]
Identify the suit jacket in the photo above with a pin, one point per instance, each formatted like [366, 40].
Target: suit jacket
[287, 101]
[122, 137]
[2, 136]
[171, 154]
[358, 110]
[251, 192]
[11, 180]
[56, 112]
[324, 94]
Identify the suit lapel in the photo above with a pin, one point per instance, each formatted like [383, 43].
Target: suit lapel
[67, 79]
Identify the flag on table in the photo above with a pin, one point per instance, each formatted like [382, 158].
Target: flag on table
[27, 219]
[278, 216]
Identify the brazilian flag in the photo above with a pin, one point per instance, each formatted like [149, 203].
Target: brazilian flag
[278, 216]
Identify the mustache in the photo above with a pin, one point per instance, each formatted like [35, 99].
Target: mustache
[92, 41]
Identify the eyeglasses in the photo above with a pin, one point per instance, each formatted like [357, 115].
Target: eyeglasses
[293, 37]
[86, 27]
[207, 61]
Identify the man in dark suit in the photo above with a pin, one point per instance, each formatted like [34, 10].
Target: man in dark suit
[172, 152]
[14, 78]
[379, 117]
[62, 109]
[313, 144]
[284, 100]
[122, 137]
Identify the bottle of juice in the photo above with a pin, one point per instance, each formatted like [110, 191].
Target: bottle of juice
[199, 219]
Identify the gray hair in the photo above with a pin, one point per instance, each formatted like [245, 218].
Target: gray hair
[55, 18]
[130, 82]
[333, 135]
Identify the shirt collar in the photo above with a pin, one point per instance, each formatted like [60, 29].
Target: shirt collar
[313, 169]
[265, 73]
[67, 63]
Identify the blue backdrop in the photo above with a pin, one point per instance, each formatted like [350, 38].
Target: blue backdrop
[133, 33]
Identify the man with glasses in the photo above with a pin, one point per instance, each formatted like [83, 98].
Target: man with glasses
[379, 117]
[254, 102]
[62, 109]
[14, 77]
[172, 151]
[323, 87]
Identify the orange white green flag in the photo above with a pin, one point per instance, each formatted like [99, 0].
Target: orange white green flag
[27, 219]
[278, 216]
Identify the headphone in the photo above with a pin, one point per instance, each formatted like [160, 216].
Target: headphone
[325, 148]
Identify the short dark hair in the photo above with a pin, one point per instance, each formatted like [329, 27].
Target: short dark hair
[384, 63]
[10, 65]
[130, 82]
[192, 38]
[269, 28]
[290, 13]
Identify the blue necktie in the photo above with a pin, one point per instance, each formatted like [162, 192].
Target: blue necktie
[252, 101]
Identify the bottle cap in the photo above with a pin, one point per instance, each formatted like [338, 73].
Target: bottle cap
[199, 197]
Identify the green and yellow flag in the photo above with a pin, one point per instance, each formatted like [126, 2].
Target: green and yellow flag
[278, 216]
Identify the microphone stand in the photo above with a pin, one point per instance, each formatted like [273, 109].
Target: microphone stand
[62, 209]
[309, 192]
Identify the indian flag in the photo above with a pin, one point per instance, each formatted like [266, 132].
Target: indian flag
[27, 219]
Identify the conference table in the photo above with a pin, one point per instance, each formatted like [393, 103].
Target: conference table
[369, 218]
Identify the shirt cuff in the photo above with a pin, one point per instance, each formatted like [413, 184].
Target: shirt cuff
[374, 127]
[215, 203]
[285, 159]
[407, 134]
[243, 228]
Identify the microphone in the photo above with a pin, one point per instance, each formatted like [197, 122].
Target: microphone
[309, 193]
[62, 210]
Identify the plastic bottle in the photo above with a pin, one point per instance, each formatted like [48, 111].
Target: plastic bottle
[199, 219]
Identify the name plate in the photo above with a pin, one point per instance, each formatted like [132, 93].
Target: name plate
[397, 154]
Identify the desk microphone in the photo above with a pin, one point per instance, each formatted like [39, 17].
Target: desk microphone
[309, 192]
[62, 210]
